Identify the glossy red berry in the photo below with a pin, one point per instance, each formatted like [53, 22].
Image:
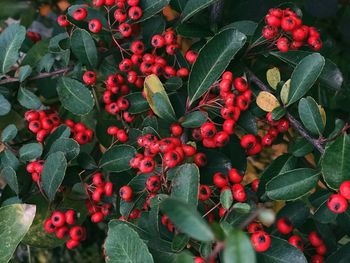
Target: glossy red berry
[315, 239]
[97, 217]
[49, 226]
[284, 226]
[95, 25]
[220, 180]
[269, 32]
[301, 33]
[283, 44]
[191, 56]
[62, 232]
[241, 84]
[208, 130]
[283, 125]
[261, 241]
[120, 15]
[176, 129]
[337, 203]
[89, 77]
[248, 141]
[62, 20]
[254, 227]
[125, 193]
[70, 217]
[153, 184]
[108, 189]
[71, 244]
[204, 192]
[234, 176]
[125, 30]
[321, 250]
[58, 218]
[157, 41]
[344, 189]
[272, 20]
[76, 233]
[135, 13]
[137, 47]
[200, 159]
[79, 14]
[296, 241]
[288, 23]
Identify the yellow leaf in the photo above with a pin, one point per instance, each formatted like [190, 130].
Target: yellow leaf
[273, 77]
[323, 114]
[266, 101]
[285, 92]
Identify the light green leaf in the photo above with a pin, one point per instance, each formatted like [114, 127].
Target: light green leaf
[15, 221]
[9, 133]
[28, 99]
[11, 179]
[30, 151]
[123, 245]
[238, 248]
[5, 106]
[24, 72]
[226, 198]
[11, 40]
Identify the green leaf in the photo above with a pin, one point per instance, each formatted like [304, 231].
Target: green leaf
[61, 131]
[212, 60]
[53, 173]
[138, 103]
[5, 106]
[335, 162]
[28, 99]
[9, 133]
[192, 30]
[164, 109]
[310, 116]
[68, 146]
[226, 198]
[180, 241]
[24, 72]
[151, 7]
[123, 244]
[74, 96]
[194, 119]
[342, 255]
[293, 184]
[300, 147]
[11, 179]
[192, 7]
[117, 158]
[331, 76]
[30, 151]
[83, 47]
[36, 53]
[278, 113]
[186, 183]
[247, 27]
[15, 221]
[238, 248]
[151, 27]
[187, 219]
[9, 158]
[173, 83]
[11, 40]
[281, 251]
[184, 257]
[304, 76]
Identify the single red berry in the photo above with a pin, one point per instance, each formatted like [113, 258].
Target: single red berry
[208, 130]
[97, 217]
[337, 203]
[191, 56]
[62, 232]
[284, 226]
[204, 192]
[315, 43]
[125, 30]
[301, 33]
[255, 185]
[137, 47]
[283, 125]
[198, 260]
[70, 217]
[135, 13]
[220, 180]
[228, 126]
[344, 189]
[133, 2]
[200, 159]
[76, 233]
[108, 189]
[71, 244]
[62, 20]
[296, 241]
[239, 193]
[241, 84]
[257, 148]
[49, 226]
[98, 3]
[176, 129]
[120, 15]
[79, 14]
[289, 23]
[183, 73]
[248, 141]
[234, 176]
[125, 193]
[254, 227]
[272, 20]
[283, 44]
[95, 25]
[58, 218]
[153, 184]
[97, 179]
[269, 32]
[321, 250]
[89, 77]
[317, 259]
[188, 150]
[315, 239]
[261, 241]
[157, 41]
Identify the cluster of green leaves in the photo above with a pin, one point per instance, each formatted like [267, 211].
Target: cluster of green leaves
[309, 78]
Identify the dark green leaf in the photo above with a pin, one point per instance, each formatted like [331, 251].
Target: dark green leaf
[335, 162]
[247, 27]
[342, 255]
[184, 257]
[151, 7]
[226, 198]
[194, 119]
[192, 30]
[179, 242]
[138, 103]
[187, 219]
[278, 113]
[11, 40]
[10, 177]
[281, 252]
[192, 7]
[117, 158]
[68, 146]
[238, 248]
[9, 158]
[30, 151]
[74, 96]
[293, 184]
[53, 173]
[164, 108]
[61, 131]
[212, 60]
[297, 213]
[86, 162]
[330, 77]
[36, 53]
[83, 47]
[324, 215]
[15, 221]
[173, 83]
[24, 72]
[304, 76]
[151, 27]
[310, 115]
[123, 244]
[9, 133]
[300, 147]
[28, 99]
[247, 121]
[186, 183]
[5, 106]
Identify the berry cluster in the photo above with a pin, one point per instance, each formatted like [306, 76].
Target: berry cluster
[338, 203]
[80, 132]
[35, 168]
[275, 127]
[42, 122]
[234, 97]
[120, 134]
[319, 245]
[63, 225]
[97, 190]
[285, 29]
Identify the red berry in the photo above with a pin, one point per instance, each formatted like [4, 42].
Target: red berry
[220, 180]
[239, 193]
[147, 165]
[62, 232]
[248, 141]
[208, 130]
[272, 20]
[254, 227]
[49, 226]
[228, 126]
[200, 159]
[296, 241]
[62, 20]
[176, 129]
[315, 43]
[337, 203]
[89, 78]
[120, 15]
[188, 150]
[255, 185]
[241, 84]
[76, 233]
[317, 259]
[135, 13]
[269, 32]
[321, 250]
[98, 3]
[125, 193]
[289, 23]
[301, 33]
[79, 14]
[58, 218]
[133, 2]
[204, 192]
[283, 44]
[234, 176]
[108, 189]
[71, 244]
[315, 239]
[95, 25]
[283, 125]
[191, 56]
[125, 30]
[97, 217]
[137, 47]
[261, 241]
[284, 226]
[153, 184]
[70, 217]
[344, 189]
[157, 41]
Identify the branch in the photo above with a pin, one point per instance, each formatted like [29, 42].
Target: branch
[40, 76]
[293, 121]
